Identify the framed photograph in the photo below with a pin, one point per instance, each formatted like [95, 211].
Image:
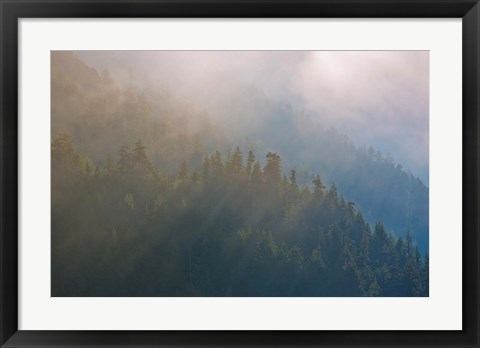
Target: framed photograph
[254, 173]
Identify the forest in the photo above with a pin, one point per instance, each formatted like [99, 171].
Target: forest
[230, 227]
[101, 116]
[153, 195]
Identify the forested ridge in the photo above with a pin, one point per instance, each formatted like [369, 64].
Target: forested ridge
[101, 116]
[234, 225]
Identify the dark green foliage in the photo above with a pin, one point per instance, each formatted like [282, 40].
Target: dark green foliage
[229, 227]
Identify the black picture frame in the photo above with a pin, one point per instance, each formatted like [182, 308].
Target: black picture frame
[12, 11]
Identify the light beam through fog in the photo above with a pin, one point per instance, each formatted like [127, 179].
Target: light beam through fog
[235, 174]
[378, 98]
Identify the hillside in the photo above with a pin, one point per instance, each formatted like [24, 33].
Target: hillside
[230, 227]
[101, 117]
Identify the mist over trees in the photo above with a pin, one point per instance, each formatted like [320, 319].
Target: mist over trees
[378, 98]
[152, 197]
[230, 227]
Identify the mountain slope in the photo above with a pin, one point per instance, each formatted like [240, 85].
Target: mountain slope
[230, 227]
[101, 117]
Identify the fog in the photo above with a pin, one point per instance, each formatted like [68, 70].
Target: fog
[378, 98]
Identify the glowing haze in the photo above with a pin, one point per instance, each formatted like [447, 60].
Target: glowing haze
[378, 98]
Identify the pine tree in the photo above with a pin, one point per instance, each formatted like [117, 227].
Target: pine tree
[250, 163]
[272, 173]
[426, 275]
[139, 154]
[365, 246]
[293, 180]
[217, 165]
[318, 187]
[236, 162]
[124, 163]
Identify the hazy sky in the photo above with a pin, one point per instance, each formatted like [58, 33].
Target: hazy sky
[378, 98]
